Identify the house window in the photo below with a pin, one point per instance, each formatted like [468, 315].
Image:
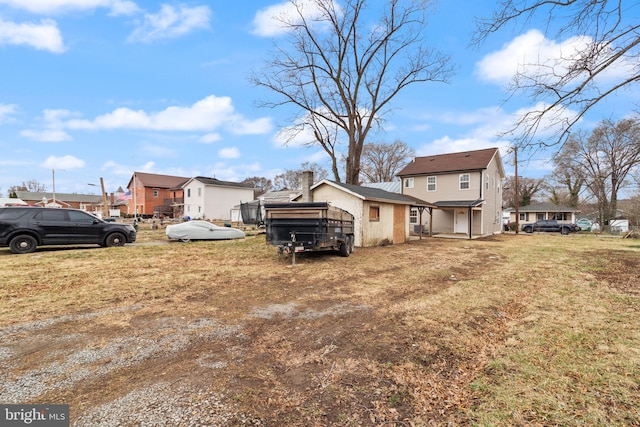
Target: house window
[413, 216]
[524, 216]
[408, 183]
[374, 213]
[431, 183]
[464, 181]
[199, 191]
[486, 182]
[188, 192]
[155, 193]
[561, 216]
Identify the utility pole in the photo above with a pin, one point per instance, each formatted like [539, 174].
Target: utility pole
[517, 193]
[105, 207]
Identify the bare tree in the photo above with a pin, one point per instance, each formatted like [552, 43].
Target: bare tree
[528, 188]
[570, 178]
[606, 159]
[260, 185]
[610, 35]
[344, 71]
[290, 179]
[381, 162]
[32, 186]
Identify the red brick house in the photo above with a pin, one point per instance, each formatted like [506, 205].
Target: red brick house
[156, 195]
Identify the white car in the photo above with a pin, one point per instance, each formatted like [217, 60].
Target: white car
[202, 230]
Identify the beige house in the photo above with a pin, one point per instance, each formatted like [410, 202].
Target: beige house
[379, 216]
[465, 188]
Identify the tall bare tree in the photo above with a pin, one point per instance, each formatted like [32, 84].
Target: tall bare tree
[606, 159]
[343, 70]
[605, 64]
[290, 179]
[381, 162]
[528, 188]
[567, 175]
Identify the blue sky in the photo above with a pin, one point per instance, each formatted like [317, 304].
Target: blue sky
[102, 88]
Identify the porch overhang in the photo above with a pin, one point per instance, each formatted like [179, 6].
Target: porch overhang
[458, 204]
[470, 205]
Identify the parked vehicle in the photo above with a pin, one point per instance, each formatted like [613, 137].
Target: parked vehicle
[22, 229]
[584, 224]
[201, 230]
[309, 226]
[550, 225]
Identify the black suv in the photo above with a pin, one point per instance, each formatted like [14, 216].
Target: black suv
[25, 228]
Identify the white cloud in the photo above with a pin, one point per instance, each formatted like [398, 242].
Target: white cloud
[65, 162]
[116, 7]
[7, 110]
[42, 36]
[171, 22]
[207, 115]
[210, 138]
[534, 55]
[274, 20]
[229, 153]
[47, 135]
[252, 127]
[531, 54]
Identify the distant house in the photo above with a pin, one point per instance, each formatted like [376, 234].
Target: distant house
[155, 195]
[539, 211]
[87, 202]
[379, 216]
[211, 198]
[465, 188]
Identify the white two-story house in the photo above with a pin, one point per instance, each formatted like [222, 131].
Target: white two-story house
[465, 188]
[213, 199]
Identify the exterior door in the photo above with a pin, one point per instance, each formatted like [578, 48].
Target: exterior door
[399, 226]
[461, 218]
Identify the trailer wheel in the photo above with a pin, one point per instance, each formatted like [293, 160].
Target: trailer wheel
[344, 248]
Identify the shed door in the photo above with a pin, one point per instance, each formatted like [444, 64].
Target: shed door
[399, 219]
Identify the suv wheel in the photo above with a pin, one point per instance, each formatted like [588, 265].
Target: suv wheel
[115, 239]
[23, 244]
[528, 230]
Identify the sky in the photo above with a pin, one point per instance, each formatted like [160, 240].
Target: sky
[93, 89]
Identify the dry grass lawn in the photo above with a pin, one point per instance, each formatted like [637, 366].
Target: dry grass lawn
[511, 330]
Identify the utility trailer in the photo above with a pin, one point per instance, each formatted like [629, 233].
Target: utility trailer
[309, 226]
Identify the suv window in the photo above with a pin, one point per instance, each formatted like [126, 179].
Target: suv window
[11, 213]
[51, 215]
[75, 216]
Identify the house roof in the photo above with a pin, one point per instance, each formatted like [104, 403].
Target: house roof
[544, 207]
[452, 162]
[393, 186]
[459, 203]
[37, 196]
[374, 194]
[152, 180]
[214, 181]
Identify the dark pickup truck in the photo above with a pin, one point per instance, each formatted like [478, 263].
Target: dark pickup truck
[550, 225]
